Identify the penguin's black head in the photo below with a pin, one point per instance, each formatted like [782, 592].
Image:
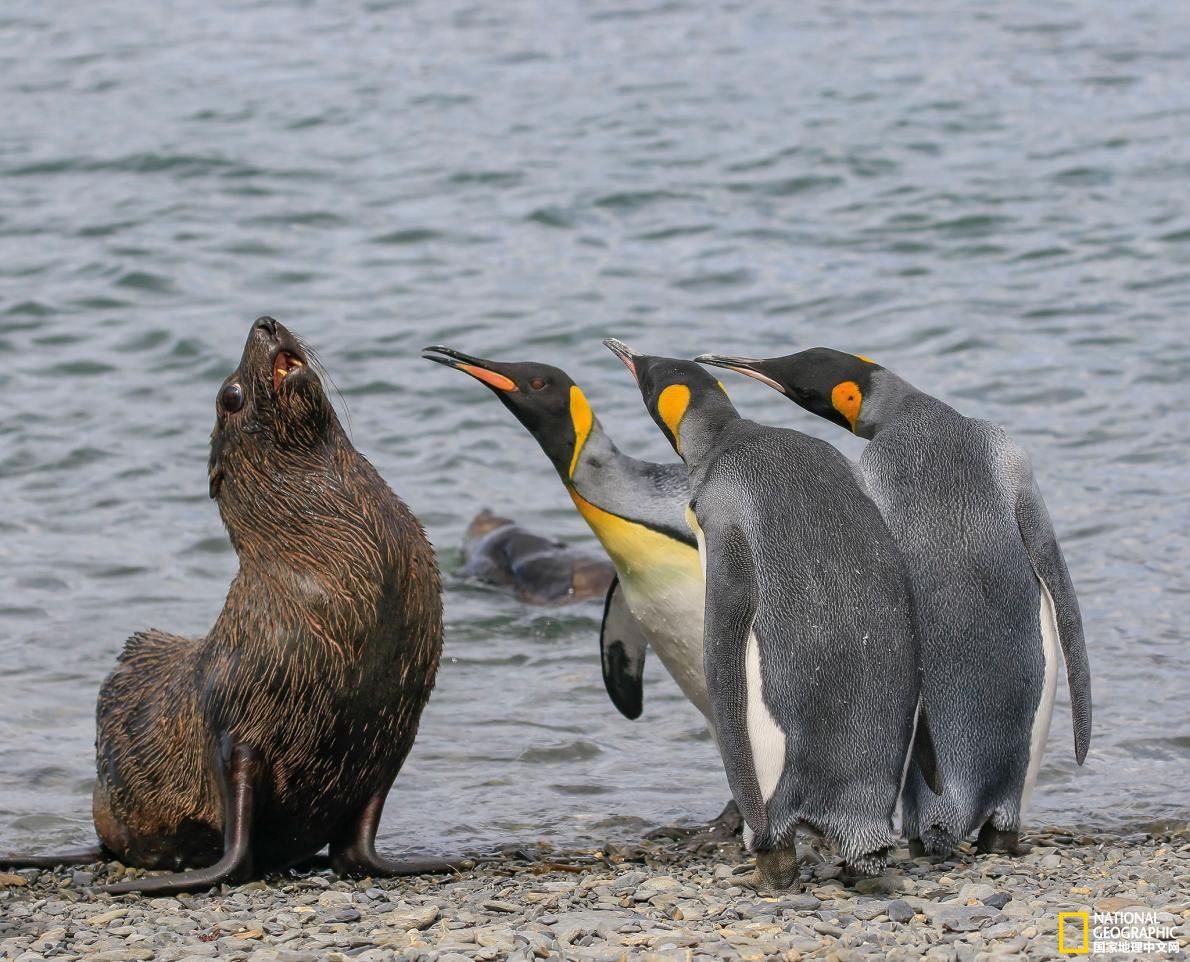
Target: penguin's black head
[825, 382]
[543, 398]
[673, 389]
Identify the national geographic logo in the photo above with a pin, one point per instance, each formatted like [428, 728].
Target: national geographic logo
[1138, 932]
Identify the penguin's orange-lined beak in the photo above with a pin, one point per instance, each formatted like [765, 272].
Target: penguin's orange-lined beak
[477, 367]
[624, 353]
[741, 365]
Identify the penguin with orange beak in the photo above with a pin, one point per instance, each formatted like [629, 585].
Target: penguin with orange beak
[636, 510]
[808, 643]
[993, 598]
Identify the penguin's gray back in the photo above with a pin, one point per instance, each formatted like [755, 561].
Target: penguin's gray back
[833, 633]
[946, 485]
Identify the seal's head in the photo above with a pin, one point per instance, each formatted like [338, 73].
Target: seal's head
[273, 421]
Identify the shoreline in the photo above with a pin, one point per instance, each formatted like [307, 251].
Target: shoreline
[651, 900]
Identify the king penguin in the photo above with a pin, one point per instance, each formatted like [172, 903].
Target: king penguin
[808, 644]
[636, 510]
[992, 594]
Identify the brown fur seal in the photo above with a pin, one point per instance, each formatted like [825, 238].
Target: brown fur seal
[542, 571]
[282, 730]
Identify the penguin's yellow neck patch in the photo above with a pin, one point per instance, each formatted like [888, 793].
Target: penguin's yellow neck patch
[639, 553]
[847, 399]
[671, 406]
[582, 418]
[866, 360]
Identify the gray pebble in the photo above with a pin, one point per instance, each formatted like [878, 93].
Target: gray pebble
[899, 911]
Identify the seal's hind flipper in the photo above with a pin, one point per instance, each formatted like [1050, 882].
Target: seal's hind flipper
[64, 859]
[622, 646]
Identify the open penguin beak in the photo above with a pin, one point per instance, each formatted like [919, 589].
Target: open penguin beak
[751, 366]
[486, 371]
[624, 353]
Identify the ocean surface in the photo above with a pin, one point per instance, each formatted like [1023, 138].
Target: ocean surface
[992, 199]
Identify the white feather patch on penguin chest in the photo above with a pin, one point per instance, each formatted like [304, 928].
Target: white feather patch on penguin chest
[671, 615]
[1045, 708]
[764, 734]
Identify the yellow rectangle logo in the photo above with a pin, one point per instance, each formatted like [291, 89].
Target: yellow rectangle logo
[1069, 924]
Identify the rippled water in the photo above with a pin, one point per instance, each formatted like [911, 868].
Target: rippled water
[989, 198]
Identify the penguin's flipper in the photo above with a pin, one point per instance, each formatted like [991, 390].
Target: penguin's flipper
[924, 754]
[1041, 545]
[622, 646]
[731, 601]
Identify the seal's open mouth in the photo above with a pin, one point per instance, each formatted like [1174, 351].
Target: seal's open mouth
[285, 364]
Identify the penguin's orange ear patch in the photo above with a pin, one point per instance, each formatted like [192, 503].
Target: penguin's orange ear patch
[490, 378]
[582, 418]
[847, 399]
[671, 406]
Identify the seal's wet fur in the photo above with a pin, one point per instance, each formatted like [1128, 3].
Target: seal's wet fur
[303, 700]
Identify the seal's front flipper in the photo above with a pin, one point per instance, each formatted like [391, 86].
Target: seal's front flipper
[622, 646]
[924, 754]
[353, 853]
[243, 775]
[728, 824]
[86, 857]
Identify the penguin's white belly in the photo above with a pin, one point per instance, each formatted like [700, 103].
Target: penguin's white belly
[669, 610]
[665, 591]
[1045, 708]
[765, 736]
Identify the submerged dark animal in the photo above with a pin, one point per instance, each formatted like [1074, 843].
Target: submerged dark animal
[542, 571]
[282, 730]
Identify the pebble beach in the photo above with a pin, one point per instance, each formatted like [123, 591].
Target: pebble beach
[653, 900]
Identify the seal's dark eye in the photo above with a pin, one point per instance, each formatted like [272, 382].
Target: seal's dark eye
[538, 383]
[232, 398]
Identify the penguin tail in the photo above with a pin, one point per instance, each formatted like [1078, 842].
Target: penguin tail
[923, 753]
[939, 841]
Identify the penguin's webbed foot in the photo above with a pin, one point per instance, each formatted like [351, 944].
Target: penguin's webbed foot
[867, 865]
[776, 870]
[992, 841]
[936, 842]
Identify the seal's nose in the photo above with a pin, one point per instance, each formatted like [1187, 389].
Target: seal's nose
[266, 324]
